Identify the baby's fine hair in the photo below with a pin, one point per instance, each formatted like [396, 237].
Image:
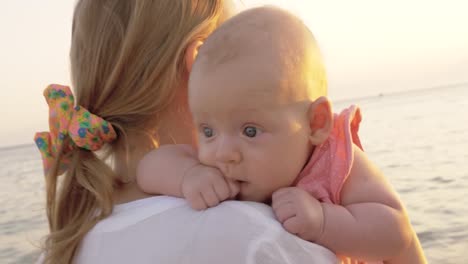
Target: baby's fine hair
[289, 40]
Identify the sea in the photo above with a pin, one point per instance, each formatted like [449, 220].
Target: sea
[419, 139]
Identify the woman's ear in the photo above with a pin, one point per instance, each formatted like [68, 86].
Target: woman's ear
[191, 53]
[320, 120]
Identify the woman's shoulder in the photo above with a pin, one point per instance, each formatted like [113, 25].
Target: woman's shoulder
[131, 213]
[264, 239]
[165, 207]
[240, 232]
[140, 212]
[253, 210]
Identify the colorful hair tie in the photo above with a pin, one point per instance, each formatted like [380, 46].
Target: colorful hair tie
[85, 130]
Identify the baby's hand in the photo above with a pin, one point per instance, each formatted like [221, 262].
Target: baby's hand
[205, 187]
[299, 212]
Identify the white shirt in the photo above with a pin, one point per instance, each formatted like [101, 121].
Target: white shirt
[164, 229]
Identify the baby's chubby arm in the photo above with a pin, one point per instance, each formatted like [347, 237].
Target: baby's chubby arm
[176, 171]
[371, 222]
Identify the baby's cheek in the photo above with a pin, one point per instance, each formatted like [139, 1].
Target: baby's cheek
[206, 155]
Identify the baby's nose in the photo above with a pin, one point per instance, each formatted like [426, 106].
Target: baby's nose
[228, 151]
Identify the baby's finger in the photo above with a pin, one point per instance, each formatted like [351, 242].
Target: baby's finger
[221, 188]
[277, 204]
[282, 193]
[197, 202]
[283, 198]
[285, 212]
[292, 225]
[234, 187]
[210, 197]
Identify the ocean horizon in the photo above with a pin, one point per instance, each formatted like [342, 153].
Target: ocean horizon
[418, 139]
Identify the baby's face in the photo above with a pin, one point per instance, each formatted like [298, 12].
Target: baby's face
[248, 130]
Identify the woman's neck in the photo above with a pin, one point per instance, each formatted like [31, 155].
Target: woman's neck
[175, 127]
[125, 166]
[129, 192]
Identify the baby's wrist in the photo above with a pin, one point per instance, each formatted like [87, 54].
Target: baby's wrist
[188, 173]
[319, 234]
[316, 226]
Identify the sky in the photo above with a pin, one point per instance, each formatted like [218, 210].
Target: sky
[369, 47]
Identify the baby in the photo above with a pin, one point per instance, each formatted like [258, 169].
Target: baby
[266, 133]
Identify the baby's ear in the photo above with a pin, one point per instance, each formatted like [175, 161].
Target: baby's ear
[320, 120]
[191, 53]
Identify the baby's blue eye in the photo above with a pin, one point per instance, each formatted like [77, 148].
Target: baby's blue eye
[250, 131]
[208, 132]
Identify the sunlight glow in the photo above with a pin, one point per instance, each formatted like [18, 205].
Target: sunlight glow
[370, 47]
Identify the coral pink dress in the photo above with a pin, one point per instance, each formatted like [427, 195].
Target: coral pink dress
[330, 164]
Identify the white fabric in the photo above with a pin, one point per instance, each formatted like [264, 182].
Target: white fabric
[164, 229]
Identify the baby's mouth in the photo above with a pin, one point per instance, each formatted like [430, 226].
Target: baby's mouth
[242, 185]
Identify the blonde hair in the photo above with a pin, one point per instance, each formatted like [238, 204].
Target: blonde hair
[127, 60]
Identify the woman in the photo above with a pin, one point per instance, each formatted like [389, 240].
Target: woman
[130, 62]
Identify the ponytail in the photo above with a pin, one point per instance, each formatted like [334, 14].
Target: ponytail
[76, 203]
[127, 62]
